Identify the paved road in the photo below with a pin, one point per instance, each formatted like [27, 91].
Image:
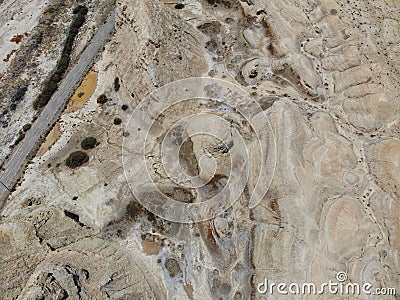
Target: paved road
[14, 167]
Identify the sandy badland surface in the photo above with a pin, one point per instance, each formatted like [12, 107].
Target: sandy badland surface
[326, 73]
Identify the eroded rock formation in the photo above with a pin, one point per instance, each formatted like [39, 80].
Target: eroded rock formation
[325, 73]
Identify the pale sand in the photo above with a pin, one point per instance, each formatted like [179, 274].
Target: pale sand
[51, 138]
[87, 87]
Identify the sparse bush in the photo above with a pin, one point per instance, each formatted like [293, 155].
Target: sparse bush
[18, 96]
[173, 267]
[88, 143]
[133, 210]
[76, 159]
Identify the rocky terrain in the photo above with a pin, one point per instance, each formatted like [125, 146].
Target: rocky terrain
[325, 73]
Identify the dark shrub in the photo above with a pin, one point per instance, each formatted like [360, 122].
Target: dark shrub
[226, 3]
[80, 9]
[102, 99]
[124, 107]
[133, 210]
[41, 101]
[117, 121]
[179, 6]
[51, 84]
[88, 143]
[26, 127]
[18, 96]
[116, 84]
[19, 139]
[76, 159]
